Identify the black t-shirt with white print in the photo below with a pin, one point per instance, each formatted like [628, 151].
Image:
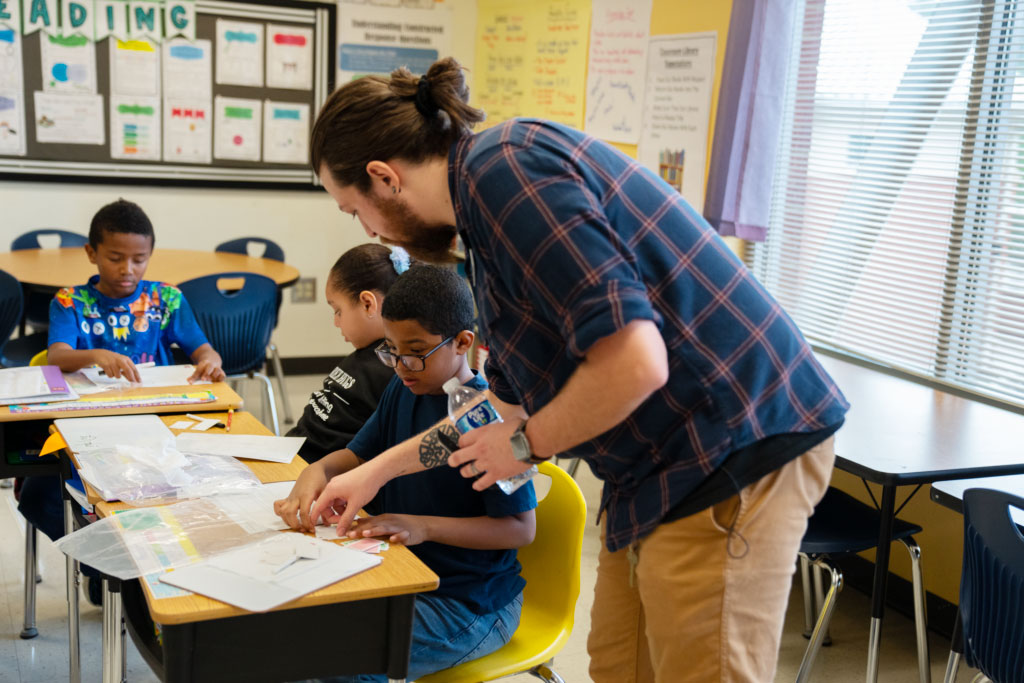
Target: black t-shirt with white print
[335, 413]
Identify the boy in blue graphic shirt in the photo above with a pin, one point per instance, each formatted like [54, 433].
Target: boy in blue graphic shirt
[467, 537]
[118, 320]
[115, 321]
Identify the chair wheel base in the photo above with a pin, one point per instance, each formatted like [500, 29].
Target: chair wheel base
[29, 633]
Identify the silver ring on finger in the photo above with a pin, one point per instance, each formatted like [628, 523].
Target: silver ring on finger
[473, 470]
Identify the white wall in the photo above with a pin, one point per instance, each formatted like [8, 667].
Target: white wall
[306, 224]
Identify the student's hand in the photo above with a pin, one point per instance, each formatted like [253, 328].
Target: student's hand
[207, 370]
[486, 453]
[307, 487]
[115, 365]
[405, 529]
[345, 495]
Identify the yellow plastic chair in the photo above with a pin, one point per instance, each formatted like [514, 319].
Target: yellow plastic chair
[551, 567]
[39, 358]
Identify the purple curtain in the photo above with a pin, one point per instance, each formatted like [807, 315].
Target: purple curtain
[749, 118]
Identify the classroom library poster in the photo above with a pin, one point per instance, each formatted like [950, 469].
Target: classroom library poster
[677, 111]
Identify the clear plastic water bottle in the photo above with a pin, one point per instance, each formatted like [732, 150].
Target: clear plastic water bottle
[469, 409]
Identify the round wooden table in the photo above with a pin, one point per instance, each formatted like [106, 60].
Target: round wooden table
[69, 266]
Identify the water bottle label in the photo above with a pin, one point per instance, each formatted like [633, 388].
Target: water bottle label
[477, 416]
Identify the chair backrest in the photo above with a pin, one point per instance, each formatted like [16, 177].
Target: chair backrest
[12, 304]
[272, 250]
[238, 322]
[30, 239]
[551, 563]
[40, 358]
[992, 585]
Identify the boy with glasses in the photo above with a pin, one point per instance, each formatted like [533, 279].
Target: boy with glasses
[467, 537]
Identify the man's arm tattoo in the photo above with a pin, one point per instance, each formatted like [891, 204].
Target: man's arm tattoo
[436, 446]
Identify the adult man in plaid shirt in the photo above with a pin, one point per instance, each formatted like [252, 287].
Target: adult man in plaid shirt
[621, 331]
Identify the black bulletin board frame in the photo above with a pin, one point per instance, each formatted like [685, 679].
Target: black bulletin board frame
[77, 163]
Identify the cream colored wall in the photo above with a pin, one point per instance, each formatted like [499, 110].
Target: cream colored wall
[306, 224]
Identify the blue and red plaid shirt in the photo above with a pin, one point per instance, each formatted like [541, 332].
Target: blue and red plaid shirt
[572, 240]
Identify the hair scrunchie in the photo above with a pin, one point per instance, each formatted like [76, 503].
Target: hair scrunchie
[424, 101]
[399, 259]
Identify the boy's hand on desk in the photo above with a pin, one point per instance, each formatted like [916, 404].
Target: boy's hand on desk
[307, 487]
[405, 529]
[344, 496]
[207, 370]
[116, 365]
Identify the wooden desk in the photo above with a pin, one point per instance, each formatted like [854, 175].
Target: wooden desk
[208, 640]
[224, 398]
[69, 266]
[899, 432]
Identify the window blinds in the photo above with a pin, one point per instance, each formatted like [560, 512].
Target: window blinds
[897, 222]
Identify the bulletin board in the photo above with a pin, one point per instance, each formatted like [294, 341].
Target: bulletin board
[241, 118]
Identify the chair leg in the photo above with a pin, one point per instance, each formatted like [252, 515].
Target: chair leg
[824, 618]
[275, 358]
[545, 673]
[805, 582]
[272, 403]
[28, 629]
[956, 650]
[818, 570]
[920, 618]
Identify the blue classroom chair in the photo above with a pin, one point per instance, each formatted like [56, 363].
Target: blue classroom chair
[842, 524]
[990, 622]
[37, 302]
[12, 304]
[271, 250]
[238, 322]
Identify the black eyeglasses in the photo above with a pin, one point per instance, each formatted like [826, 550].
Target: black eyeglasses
[411, 361]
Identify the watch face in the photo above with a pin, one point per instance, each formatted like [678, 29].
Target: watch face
[520, 446]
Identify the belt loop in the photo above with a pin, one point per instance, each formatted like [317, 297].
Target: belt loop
[633, 558]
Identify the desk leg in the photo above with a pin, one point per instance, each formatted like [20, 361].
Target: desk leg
[74, 653]
[878, 587]
[113, 644]
[402, 608]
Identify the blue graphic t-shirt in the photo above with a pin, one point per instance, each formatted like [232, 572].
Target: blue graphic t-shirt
[141, 326]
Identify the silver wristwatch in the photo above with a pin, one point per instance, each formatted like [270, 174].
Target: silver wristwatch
[521, 446]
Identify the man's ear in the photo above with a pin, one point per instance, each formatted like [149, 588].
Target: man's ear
[464, 341]
[383, 176]
[91, 253]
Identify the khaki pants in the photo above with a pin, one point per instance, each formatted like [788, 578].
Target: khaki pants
[701, 604]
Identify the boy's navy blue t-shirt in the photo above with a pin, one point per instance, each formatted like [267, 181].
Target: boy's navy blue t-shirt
[486, 580]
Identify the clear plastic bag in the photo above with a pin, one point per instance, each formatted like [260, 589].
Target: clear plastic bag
[141, 541]
[141, 476]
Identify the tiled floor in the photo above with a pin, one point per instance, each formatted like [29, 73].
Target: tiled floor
[45, 657]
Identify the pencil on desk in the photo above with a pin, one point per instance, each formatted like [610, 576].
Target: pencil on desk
[231, 413]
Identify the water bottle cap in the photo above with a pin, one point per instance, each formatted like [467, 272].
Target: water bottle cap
[451, 385]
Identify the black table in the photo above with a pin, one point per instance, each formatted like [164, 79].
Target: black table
[899, 432]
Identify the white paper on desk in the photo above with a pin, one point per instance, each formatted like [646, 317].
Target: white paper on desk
[153, 376]
[253, 509]
[85, 433]
[280, 449]
[23, 382]
[246, 578]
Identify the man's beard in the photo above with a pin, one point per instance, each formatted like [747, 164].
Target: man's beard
[425, 242]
